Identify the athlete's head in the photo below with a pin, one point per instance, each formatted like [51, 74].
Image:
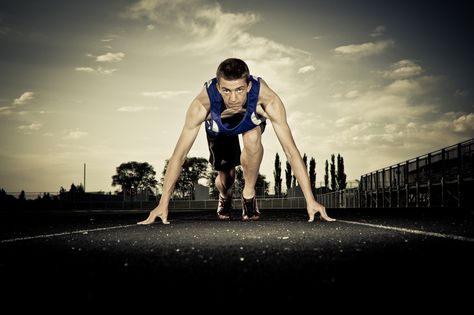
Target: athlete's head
[233, 82]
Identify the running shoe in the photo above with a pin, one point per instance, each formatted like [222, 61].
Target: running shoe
[250, 210]
[224, 208]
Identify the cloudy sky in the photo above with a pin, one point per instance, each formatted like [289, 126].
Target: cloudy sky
[105, 82]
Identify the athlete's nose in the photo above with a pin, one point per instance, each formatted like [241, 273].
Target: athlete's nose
[233, 97]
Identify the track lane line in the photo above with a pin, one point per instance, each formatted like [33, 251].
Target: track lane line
[413, 231]
[25, 238]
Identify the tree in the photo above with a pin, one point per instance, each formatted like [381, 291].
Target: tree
[326, 175]
[305, 161]
[312, 175]
[22, 197]
[277, 175]
[211, 182]
[333, 174]
[3, 194]
[192, 170]
[133, 176]
[239, 182]
[288, 176]
[261, 185]
[341, 176]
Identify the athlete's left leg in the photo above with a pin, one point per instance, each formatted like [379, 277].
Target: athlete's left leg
[250, 159]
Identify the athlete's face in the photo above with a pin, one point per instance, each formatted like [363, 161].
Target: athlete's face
[234, 92]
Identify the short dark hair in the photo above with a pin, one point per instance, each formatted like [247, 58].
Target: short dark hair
[233, 69]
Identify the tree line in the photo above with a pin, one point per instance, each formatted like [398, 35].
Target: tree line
[337, 176]
[134, 176]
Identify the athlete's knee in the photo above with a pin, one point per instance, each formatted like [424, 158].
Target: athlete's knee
[252, 138]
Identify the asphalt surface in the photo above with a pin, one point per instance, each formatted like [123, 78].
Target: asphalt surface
[89, 258]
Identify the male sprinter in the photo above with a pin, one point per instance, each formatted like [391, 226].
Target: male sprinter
[234, 103]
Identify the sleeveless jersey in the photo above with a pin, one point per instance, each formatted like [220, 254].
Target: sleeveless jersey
[250, 120]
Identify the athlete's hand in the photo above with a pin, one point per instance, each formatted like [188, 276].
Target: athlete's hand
[159, 212]
[316, 207]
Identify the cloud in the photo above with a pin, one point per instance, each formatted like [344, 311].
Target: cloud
[99, 70]
[164, 94]
[24, 98]
[461, 93]
[6, 110]
[111, 57]
[75, 134]
[406, 86]
[28, 129]
[363, 50]
[131, 109]
[463, 123]
[395, 121]
[150, 27]
[378, 31]
[352, 94]
[306, 69]
[403, 69]
[85, 69]
[211, 33]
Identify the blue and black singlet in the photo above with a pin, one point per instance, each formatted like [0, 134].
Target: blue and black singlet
[251, 119]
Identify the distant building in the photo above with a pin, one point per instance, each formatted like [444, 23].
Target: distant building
[295, 192]
[201, 192]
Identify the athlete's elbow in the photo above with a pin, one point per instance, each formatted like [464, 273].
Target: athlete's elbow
[177, 158]
[288, 153]
[291, 153]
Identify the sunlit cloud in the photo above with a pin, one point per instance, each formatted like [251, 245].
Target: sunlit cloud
[111, 57]
[24, 98]
[131, 109]
[392, 120]
[99, 70]
[28, 129]
[306, 69]
[150, 27]
[378, 31]
[464, 123]
[209, 31]
[164, 94]
[85, 69]
[6, 110]
[75, 134]
[363, 50]
[352, 94]
[405, 86]
[403, 69]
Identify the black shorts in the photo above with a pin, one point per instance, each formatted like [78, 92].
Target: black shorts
[225, 150]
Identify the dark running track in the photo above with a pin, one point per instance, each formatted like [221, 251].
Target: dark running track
[85, 258]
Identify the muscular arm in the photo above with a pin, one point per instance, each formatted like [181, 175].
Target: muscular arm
[276, 112]
[195, 116]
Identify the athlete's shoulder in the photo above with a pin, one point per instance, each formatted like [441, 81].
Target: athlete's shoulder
[266, 93]
[203, 97]
[255, 78]
[210, 82]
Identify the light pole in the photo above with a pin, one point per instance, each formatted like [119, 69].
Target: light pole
[84, 177]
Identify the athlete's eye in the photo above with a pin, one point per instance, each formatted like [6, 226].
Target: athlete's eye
[240, 90]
